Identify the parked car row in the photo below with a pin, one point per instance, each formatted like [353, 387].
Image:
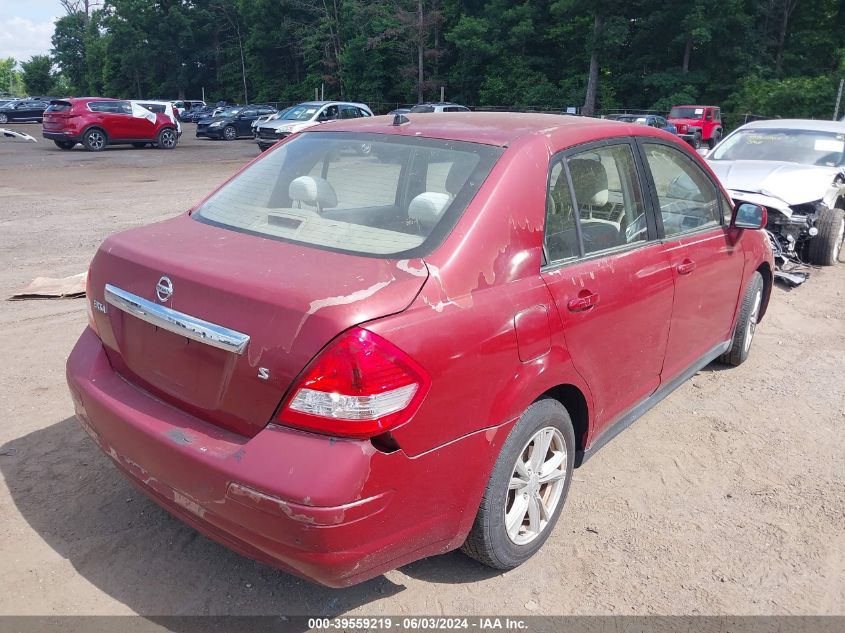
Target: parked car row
[696, 124]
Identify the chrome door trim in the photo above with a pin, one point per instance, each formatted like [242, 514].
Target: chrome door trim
[177, 322]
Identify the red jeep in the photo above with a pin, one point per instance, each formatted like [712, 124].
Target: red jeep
[697, 123]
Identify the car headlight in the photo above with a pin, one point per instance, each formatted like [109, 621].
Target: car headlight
[283, 130]
[217, 124]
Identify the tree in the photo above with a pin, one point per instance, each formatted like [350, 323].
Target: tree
[38, 74]
[69, 51]
[8, 78]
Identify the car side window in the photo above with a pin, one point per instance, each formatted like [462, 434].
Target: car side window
[349, 112]
[609, 199]
[363, 113]
[561, 237]
[98, 106]
[688, 199]
[123, 107]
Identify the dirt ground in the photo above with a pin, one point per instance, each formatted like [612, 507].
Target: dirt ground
[727, 498]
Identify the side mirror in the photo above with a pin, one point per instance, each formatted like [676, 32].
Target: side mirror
[749, 216]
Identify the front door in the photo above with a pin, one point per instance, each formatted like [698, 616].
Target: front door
[707, 264]
[243, 122]
[609, 276]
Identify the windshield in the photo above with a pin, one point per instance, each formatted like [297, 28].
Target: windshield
[229, 112]
[807, 147]
[686, 113]
[301, 113]
[400, 200]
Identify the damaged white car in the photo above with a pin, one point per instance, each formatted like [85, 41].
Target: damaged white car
[796, 169]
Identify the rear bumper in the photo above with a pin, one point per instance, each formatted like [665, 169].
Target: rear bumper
[333, 511]
[61, 136]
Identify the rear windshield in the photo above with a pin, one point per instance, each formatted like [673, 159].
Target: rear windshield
[58, 106]
[686, 113]
[422, 108]
[368, 194]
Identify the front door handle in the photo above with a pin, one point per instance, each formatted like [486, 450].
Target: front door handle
[585, 300]
[686, 267]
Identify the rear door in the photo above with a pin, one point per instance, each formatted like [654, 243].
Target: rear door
[707, 264]
[608, 274]
[107, 115]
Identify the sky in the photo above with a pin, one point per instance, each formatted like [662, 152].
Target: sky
[26, 27]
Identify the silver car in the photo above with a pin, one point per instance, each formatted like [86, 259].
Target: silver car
[796, 169]
[306, 115]
[444, 106]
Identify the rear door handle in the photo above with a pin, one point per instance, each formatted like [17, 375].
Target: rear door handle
[686, 267]
[585, 301]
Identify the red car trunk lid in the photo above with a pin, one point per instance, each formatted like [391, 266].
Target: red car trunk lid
[289, 299]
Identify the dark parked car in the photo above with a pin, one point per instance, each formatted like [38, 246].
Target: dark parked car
[651, 120]
[23, 110]
[97, 122]
[232, 123]
[197, 114]
[338, 366]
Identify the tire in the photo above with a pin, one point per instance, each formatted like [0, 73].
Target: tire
[490, 541]
[746, 323]
[717, 136]
[139, 145]
[4, 118]
[263, 148]
[826, 246]
[95, 140]
[65, 145]
[166, 138]
[229, 133]
[696, 140]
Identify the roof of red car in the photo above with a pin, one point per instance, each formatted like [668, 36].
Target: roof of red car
[87, 99]
[490, 128]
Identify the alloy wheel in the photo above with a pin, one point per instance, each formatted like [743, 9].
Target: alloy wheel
[230, 133]
[536, 485]
[837, 248]
[167, 139]
[96, 140]
[752, 319]
[3, 118]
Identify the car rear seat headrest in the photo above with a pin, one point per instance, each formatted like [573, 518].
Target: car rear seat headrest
[313, 191]
[589, 178]
[428, 207]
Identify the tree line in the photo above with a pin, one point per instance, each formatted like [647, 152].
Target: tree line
[768, 57]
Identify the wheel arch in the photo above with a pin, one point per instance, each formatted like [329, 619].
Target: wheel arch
[94, 126]
[767, 274]
[575, 402]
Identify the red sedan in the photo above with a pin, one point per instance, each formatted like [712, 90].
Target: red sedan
[338, 364]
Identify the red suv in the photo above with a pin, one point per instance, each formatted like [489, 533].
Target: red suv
[697, 124]
[381, 360]
[98, 122]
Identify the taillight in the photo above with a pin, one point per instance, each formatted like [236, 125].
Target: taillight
[359, 386]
